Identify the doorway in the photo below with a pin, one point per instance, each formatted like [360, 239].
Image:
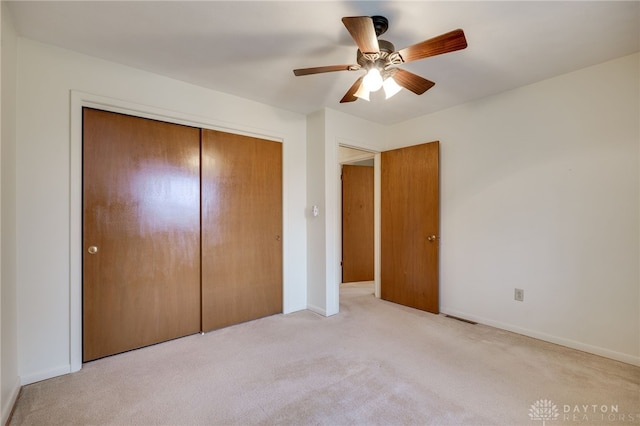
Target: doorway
[417, 165]
[357, 207]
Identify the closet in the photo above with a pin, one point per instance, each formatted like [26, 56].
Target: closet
[182, 231]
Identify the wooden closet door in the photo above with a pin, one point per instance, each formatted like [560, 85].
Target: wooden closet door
[241, 228]
[141, 232]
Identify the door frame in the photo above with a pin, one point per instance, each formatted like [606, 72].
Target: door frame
[376, 156]
[77, 102]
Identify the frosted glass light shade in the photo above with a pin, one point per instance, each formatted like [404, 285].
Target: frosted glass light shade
[362, 93]
[390, 87]
[373, 80]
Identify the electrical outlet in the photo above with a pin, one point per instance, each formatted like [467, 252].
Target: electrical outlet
[519, 295]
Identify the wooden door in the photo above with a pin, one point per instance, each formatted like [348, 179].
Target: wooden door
[410, 226]
[141, 232]
[241, 228]
[357, 224]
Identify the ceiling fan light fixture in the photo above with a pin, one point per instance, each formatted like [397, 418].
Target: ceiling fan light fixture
[362, 93]
[390, 87]
[373, 80]
[380, 59]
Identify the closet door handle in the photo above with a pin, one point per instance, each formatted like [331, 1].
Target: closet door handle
[92, 250]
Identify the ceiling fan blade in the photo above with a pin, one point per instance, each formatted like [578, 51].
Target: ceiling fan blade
[445, 43]
[329, 68]
[363, 32]
[350, 95]
[413, 82]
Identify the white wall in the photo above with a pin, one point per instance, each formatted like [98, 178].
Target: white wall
[47, 181]
[346, 130]
[351, 155]
[327, 130]
[540, 191]
[9, 383]
[316, 226]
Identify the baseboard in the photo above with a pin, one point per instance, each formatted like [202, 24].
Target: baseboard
[607, 353]
[45, 374]
[317, 310]
[291, 310]
[7, 408]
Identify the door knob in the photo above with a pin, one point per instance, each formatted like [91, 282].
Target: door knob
[432, 238]
[92, 250]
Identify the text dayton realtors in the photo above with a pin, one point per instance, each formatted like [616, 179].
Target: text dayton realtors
[593, 412]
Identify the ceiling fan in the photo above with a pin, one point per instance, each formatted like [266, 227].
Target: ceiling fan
[380, 59]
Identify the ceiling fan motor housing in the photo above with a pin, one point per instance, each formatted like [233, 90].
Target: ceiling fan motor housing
[381, 24]
[386, 48]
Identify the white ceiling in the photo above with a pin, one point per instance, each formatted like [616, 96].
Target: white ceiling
[249, 49]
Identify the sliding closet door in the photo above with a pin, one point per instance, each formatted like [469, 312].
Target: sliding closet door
[141, 232]
[241, 228]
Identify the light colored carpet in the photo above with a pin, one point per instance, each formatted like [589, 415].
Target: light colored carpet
[374, 363]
